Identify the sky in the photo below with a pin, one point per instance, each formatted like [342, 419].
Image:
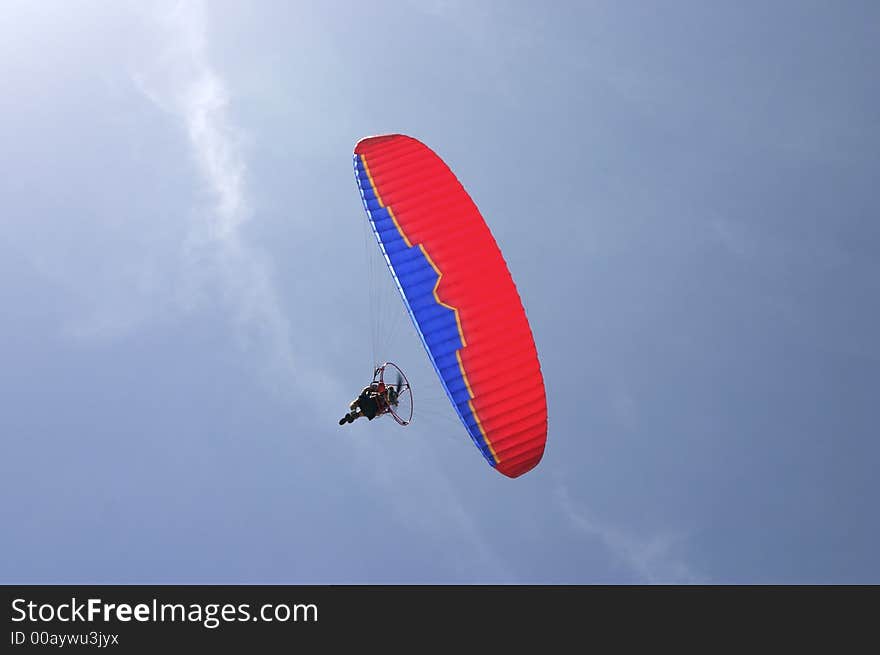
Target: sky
[686, 199]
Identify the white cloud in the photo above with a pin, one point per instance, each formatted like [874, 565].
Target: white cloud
[656, 558]
[181, 82]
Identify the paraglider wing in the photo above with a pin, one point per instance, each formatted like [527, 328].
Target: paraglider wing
[460, 295]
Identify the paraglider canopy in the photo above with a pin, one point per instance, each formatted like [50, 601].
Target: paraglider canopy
[460, 295]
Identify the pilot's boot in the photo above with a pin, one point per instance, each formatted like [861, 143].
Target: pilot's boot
[350, 417]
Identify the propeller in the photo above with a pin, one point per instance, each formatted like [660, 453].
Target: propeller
[394, 390]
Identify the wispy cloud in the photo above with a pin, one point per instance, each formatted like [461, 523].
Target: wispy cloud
[419, 492]
[181, 81]
[656, 559]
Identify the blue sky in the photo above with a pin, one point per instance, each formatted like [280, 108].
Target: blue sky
[685, 196]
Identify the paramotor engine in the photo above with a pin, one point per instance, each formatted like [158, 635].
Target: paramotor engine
[399, 394]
